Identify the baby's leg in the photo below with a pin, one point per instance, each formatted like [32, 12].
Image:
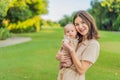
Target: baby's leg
[61, 65]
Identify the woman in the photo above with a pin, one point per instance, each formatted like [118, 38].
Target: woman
[87, 50]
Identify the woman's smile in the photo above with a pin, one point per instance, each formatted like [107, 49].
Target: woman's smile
[81, 26]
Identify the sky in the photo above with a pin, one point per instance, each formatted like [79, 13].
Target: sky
[58, 8]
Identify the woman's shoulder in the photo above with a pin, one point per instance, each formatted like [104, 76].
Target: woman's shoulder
[94, 41]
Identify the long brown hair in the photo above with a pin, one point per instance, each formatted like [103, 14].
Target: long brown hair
[89, 20]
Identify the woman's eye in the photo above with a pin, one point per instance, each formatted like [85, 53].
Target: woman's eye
[83, 22]
[76, 24]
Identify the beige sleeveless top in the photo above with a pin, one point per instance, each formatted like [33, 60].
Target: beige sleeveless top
[89, 50]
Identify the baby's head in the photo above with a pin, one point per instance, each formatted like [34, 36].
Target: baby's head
[70, 31]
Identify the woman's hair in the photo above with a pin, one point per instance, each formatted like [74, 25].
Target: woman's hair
[89, 20]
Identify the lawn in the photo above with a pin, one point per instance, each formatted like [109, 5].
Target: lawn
[35, 60]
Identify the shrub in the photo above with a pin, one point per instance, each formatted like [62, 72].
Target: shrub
[116, 25]
[29, 25]
[4, 33]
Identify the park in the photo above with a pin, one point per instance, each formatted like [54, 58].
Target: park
[34, 59]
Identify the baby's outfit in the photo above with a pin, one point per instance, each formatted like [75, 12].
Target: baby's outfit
[68, 40]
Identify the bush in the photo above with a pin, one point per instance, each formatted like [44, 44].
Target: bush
[4, 33]
[116, 25]
[29, 25]
[16, 14]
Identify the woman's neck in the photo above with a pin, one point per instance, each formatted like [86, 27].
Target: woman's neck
[84, 38]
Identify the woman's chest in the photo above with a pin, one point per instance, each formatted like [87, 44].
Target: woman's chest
[80, 49]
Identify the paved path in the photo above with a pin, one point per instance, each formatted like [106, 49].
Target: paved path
[13, 41]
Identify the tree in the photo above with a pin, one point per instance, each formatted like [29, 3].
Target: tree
[66, 19]
[105, 13]
[113, 11]
[24, 9]
[4, 5]
[37, 6]
[97, 12]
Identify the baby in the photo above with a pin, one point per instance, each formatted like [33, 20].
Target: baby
[70, 35]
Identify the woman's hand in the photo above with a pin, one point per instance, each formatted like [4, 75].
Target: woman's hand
[65, 58]
[58, 56]
[61, 57]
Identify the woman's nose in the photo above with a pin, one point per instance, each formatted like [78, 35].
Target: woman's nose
[80, 26]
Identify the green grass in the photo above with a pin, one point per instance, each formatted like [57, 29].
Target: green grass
[35, 60]
[107, 66]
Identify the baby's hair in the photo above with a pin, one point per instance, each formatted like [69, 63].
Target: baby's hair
[67, 25]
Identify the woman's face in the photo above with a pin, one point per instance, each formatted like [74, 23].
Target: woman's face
[81, 26]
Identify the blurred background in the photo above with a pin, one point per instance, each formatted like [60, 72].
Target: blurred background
[43, 22]
[31, 15]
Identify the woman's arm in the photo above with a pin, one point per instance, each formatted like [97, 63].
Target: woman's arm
[81, 66]
[62, 58]
[58, 55]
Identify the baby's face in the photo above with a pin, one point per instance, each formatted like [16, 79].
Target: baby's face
[70, 31]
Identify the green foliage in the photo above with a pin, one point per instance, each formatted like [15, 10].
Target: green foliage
[116, 25]
[23, 9]
[16, 14]
[29, 25]
[66, 19]
[96, 11]
[37, 6]
[20, 11]
[105, 13]
[112, 11]
[49, 24]
[112, 5]
[4, 33]
[4, 5]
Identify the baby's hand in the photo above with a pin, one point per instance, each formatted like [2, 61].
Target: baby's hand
[66, 39]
